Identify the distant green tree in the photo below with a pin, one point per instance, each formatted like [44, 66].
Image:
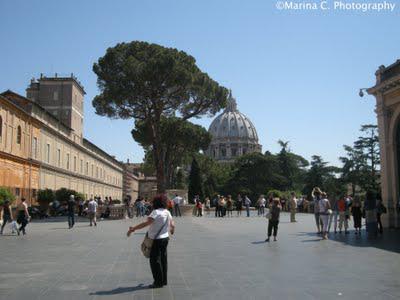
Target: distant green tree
[195, 181]
[45, 197]
[291, 167]
[5, 194]
[63, 194]
[145, 82]
[253, 174]
[180, 140]
[318, 175]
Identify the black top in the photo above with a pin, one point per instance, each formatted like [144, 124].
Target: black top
[6, 211]
[71, 206]
[275, 212]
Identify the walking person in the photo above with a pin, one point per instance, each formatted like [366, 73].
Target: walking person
[356, 212]
[161, 223]
[273, 220]
[316, 195]
[80, 209]
[177, 202]
[293, 207]
[324, 210]
[247, 203]
[23, 216]
[92, 210]
[380, 209]
[239, 205]
[6, 215]
[71, 211]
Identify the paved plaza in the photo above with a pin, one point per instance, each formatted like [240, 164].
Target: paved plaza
[208, 259]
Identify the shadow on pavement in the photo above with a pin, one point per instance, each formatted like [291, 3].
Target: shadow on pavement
[258, 242]
[389, 241]
[121, 290]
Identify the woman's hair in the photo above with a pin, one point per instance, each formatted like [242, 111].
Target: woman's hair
[23, 199]
[160, 201]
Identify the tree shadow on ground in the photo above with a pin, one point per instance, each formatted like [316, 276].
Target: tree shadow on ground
[121, 290]
[389, 241]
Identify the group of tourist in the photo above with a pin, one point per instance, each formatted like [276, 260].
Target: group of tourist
[22, 219]
[339, 212]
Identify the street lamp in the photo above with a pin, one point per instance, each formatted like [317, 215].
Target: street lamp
[361, 92]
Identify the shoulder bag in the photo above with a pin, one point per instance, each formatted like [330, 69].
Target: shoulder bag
[148, 242]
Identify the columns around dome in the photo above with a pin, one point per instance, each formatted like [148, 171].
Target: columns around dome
[228, 151]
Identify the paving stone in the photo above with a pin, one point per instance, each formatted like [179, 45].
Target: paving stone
[209, 258]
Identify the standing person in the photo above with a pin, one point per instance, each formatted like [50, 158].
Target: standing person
[216, 205]
[261, 205]
[316, 195]
[92, 210]
[293, 207]
[247, 203]
[334, 216]
[207, 205]
[341, 208]
[357, 214]
[80, 207]
[239, 205]
[274, 211]
[161, 223]
[380, 209]
[6, 215]
[23, 216]
[229, 205]
[137, 206]
[128, 206]
[324, 207]
[177, 202]
[199, 207]
[221, 205]
[71, 211]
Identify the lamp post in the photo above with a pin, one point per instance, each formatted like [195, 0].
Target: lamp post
[370, 201]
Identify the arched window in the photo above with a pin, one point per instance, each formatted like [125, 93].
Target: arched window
[1, 128]
[19, 134]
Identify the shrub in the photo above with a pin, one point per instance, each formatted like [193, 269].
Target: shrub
[45, 197]
[62, 195]
[5, 194]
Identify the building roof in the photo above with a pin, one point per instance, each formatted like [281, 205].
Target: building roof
[33, 103]
[233, 124]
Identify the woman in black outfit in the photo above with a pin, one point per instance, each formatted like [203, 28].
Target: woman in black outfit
[161, 223]
[357, 215]
[274, 212]
[7, 215]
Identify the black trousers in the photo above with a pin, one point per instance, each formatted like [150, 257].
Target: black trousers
[71, 219]
[272, 225]
[159, 262]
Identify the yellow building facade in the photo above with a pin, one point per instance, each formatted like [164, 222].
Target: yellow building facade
[38, 150]
[17, 171]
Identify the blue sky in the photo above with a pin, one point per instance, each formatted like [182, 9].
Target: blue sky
[295, 74]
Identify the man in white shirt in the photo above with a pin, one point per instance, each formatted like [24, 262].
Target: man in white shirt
[177, 202]
[92, 210]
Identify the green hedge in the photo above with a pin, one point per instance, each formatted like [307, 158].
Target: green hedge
[5, 194]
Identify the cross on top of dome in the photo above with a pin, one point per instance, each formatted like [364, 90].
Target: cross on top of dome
[232, 105]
